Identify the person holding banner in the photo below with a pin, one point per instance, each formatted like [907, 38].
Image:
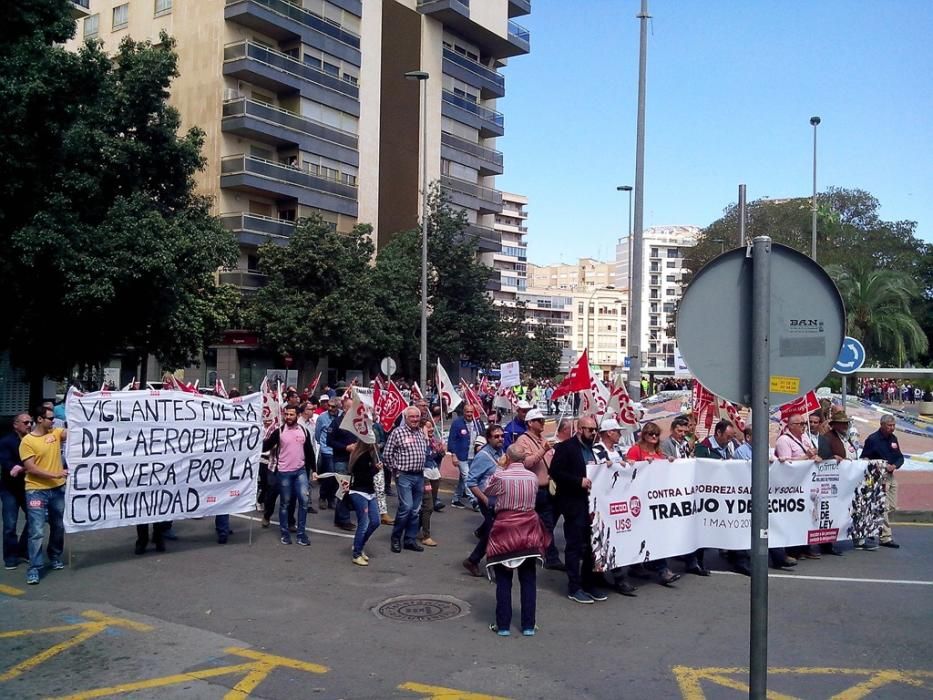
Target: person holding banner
[835, 444]
[364, 465]
[294, 448]
[13, 492]
[41, 453]
[341, 442]
[882, 444]
[405, 452]
[569, 472]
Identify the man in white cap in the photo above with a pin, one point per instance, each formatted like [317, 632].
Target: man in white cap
[607, 451]
[517, 425]
[537, 459]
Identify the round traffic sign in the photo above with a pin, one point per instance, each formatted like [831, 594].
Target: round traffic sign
[851, 356]
[388, 366]
[714, 325]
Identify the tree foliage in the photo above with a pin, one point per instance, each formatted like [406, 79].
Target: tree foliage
[319, 298]
[852, 240]
[106, 245]
[537, 353]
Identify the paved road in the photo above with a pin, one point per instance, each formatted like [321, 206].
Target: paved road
[271, 621]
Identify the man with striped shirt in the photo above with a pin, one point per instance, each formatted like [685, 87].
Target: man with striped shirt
[405, 453]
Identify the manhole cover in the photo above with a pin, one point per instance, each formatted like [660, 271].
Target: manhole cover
[421, 608]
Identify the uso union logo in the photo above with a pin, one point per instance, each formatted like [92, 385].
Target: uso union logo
[634, 505]
[618, 508]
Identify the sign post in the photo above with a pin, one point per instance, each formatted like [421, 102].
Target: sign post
[851, 358]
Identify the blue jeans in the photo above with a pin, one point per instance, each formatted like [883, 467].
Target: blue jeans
[367, 520]
[410, 487]
[222, 525]
[42, 505]
[13, 547]
[341, 513]
[462, 490]
[293, 484]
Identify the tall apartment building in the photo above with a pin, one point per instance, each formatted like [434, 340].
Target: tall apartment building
[510, 262]
[586, 271]
[662, 273]
[306, 108]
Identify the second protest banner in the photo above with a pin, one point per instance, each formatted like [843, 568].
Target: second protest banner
[663, 509]
[138, 457]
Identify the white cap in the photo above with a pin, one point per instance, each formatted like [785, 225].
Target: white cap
[534, 414]
[609, 424]
[480, 441]
[523, 405]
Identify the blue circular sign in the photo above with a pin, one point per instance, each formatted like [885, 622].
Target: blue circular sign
[851, 356]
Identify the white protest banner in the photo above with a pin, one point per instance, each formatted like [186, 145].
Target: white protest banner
[139, 457]
[450, 399]
[663, 509]
[357, 420]
[509, 374]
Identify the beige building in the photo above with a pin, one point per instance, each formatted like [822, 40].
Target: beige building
[586, 271]
[306, 108]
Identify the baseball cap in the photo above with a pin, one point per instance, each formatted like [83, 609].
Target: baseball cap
[609, 424]
[534, 414]
[523, 405]
[480, 441]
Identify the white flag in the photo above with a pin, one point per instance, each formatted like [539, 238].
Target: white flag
[358, 422]
[450, 399]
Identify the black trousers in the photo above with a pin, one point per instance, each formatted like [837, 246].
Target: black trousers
[479, 551]
[546, 509]
[578, 552]
[158, 529]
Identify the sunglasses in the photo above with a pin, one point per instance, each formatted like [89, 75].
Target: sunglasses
[652, 434]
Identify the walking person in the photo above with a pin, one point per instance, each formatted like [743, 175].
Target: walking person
[294, 449]
[364, 465]
[432, 478]
[517, 541]
[883, 445]
[488, 454]
[460, 441]
[405, 452]
[13, 493]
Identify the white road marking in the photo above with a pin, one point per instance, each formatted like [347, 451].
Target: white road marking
[307, 529]
[906, 582]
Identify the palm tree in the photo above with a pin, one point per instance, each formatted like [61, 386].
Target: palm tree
[878, 311]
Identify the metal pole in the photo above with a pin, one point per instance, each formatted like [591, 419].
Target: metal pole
[815, 122]
[761, 321]
[844, 382]
[635, 293]
[424, 232]
[742, 215]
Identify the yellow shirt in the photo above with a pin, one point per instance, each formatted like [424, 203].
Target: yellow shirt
[47, 453]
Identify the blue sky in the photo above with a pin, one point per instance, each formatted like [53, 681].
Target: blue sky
[731, 89]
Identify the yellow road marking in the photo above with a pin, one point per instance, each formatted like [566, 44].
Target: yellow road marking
[688, 679]
[256, 671]
[436, 692]
[10, 590]
[98, 622]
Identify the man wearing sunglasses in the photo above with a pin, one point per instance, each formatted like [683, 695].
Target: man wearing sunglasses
[41, 452]
[13, 492]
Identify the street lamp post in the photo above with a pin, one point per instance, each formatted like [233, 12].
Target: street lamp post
[422, 77]
[814, 122]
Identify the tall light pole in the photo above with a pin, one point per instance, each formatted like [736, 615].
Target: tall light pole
[422, 77]
[634, 373]
[814, 122]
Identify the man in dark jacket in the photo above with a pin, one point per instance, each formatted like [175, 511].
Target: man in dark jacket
[342, 442]
[13, 492]
[568, 470]
[883, 445]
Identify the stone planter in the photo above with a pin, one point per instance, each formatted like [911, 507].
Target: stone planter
[926, 408]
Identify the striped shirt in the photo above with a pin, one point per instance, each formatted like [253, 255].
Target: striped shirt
[514, 487]
[406, 449]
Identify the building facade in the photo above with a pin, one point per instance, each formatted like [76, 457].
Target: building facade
[662, 274]
[306, 109]
[510, 262]
[585, 272]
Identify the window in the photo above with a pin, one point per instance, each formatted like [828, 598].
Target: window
[121, 16]
[670, 278]
[655, 253]
[162, 7]
[91, 26]
[671, 264]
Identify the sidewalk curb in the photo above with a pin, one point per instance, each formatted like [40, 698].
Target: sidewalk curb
[913, 516]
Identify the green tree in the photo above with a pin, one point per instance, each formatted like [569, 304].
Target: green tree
[319, 299]
[106, 245]
[462, 323]
[535, 346]
[878, 312]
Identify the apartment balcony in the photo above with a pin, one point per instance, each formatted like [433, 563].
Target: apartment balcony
[490, 83]
[254, 229]
[80, 9]
[263, 122]
[489, 122]
[244, 280]
[493, 284]
[469, 195]
[487, 238]
[459, 150]
[519, 37]
[283, 20]
[519, 7]
[256, 175]
[455, 15]
[280, 72]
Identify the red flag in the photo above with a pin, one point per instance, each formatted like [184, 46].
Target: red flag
[484, 387]
[313, 385]
[393, 403]
[378, 394]
[703, 400]
[472, 399]
[578, 379]
[800, 406]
